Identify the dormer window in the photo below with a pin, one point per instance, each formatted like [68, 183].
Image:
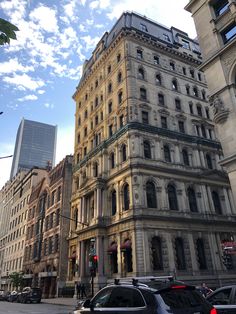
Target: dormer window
[143, 27]
[185, 44]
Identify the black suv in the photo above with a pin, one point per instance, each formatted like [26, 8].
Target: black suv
[29, 294]
[147, 295]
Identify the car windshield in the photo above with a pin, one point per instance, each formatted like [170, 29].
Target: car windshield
[188, 300]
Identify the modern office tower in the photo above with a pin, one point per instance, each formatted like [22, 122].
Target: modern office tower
[35, 146]
[216, 29]
[149, 196]
[46, 246]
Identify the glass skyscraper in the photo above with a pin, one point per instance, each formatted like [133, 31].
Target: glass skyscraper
[35, 146]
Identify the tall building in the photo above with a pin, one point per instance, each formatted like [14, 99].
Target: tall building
[216, 29]
[13, 224]
[46, 246]
[35, 146]
[149, 196]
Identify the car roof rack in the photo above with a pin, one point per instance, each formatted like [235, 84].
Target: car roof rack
[140, 281]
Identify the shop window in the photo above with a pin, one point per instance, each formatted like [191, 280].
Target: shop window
[112, 251]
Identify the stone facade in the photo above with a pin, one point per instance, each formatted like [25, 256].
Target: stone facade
[13, 221]
[216, 29]
[149, 196]
[46, 246]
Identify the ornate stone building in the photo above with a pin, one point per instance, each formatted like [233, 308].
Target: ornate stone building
[149, 196]
[46, 246]
[216, 28]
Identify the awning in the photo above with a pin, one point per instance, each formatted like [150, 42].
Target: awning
[125, 246]
[112, 248]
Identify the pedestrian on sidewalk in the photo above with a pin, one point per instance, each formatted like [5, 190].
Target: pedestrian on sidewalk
[78, 290]
[83, 291]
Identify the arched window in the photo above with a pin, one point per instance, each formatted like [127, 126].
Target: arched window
[147, 149]
[110, 107]
[158, 79]
[126, 197]
[195, 91]
[151, 195]
[167, 155]
[209, 161]
[185, 157]
[201, 254]
[203, 131]
[216, 202]
[123, 153]
[112, 160]
[109, 87]
[112, 251]
[161, 99]
[174, 84]
[192, 200]
[96, 101]
[113, 202]
[172, 197]
[120, 97]
[141, 74]
[119, 77]
[157, 262]
[143, 93]
[179, 254]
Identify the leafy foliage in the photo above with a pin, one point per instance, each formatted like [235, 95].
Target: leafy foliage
[7, 32]
[16, 279]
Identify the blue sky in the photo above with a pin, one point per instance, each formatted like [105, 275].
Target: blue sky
[41, 69]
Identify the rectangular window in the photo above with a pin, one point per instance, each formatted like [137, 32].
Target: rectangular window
[172, 66]
[229, 33]
[191, 108]
[181, 126]
[164, 122]
[177, 104]
[156, 60]
[220, 7]
[110, 130]
[185, 44]
[145, 117]
[139, 54]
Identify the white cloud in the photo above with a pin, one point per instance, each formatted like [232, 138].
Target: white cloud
[94, 5]
[28, 97]
[24, 82]
[69, 10]
[41, 91]
[48, 106]
[15, 10]
[13, 65]
[45, 17]
[91, 42]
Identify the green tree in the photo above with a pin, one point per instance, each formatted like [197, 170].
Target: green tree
[7, 32]
[16, 279]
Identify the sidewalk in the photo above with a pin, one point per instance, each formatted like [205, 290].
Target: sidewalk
[61, 301]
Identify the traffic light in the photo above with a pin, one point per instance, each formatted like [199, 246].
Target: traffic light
[227, 260]
[93, 264]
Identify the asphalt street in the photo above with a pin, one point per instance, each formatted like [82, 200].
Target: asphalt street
[42, 308]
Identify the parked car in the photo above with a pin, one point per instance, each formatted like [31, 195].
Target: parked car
[2, 295]
[157, 295]
[29, 294]
[13, 296]
[224, 299]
